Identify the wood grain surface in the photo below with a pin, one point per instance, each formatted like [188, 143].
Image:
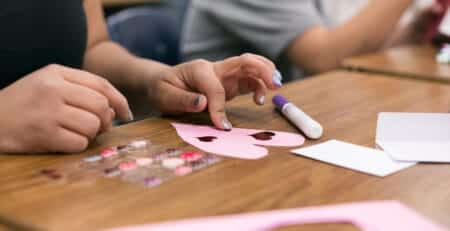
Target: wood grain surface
[411, 61]
[345, 103]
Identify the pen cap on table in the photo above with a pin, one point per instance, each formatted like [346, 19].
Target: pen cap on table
[279, 101]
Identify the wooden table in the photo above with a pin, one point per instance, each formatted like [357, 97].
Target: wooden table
[118, 3]
[345, 103]
[410, 61]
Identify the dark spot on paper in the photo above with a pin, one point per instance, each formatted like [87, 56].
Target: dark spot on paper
[207, 138]
[263, 135]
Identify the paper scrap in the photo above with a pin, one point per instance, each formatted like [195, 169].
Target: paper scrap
[417, 137]
[358, 158]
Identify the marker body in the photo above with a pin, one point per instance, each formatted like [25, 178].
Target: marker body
[310, 127]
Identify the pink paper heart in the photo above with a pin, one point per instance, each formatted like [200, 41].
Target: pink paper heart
[238, 143]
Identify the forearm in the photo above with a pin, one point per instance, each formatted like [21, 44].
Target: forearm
[371, 28]
[365, 32]
[126, 71]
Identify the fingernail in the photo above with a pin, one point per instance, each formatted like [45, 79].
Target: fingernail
[113, 116]
[130, 116]
[277, 75]
[261, 100]
[197, 101]
[226, 124]
[277, 83]
[276, 78]
[113, 113]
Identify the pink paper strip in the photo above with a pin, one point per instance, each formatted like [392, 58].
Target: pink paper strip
[367, 216]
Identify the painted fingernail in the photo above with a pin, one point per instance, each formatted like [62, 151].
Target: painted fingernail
[130, 116]
[276, 78]
[261, 100]
[278, 75]
[197, 101]
[226, 124]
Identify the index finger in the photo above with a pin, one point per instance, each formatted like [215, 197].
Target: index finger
[259, 67]
[117, 101]
[206, 82]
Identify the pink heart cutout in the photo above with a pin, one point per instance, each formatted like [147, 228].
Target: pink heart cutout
[237, 143]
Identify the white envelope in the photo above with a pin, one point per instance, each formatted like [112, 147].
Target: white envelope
[421, 137]
[359, 158]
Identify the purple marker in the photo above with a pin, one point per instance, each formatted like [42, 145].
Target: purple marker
[310, 127]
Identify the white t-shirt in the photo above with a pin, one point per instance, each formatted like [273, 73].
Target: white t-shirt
[340, 11]
[217, 29]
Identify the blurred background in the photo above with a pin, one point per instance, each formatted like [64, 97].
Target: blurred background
[147, 28]
[152, 28]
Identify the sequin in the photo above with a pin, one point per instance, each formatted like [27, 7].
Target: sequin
[127, 165]
[198, 164]
[152, 181]
[144, 161]
[94, 158]
[109, 152]
[138, 144]
[191, 156]
[172, 163]
[183, 170]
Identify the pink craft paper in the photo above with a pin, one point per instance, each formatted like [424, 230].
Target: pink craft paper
[367, 216]
[236, 143]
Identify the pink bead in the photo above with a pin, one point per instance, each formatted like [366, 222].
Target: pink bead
[127, 165]
[191, 156]
[109, 152]
[183, 170]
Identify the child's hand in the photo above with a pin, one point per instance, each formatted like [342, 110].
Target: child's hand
[193, 86]
[57, 109]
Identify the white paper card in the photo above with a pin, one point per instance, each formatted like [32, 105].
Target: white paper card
[423, 137]
[358, 158]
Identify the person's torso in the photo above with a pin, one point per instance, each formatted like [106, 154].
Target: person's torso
[38, 33]
[204, 37]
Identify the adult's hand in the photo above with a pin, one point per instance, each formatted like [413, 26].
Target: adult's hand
[57, 109]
